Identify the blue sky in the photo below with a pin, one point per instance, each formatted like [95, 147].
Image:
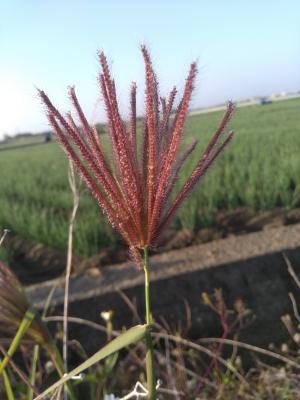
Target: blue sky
[243, 49]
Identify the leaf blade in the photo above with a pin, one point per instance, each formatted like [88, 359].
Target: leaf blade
[133, 335]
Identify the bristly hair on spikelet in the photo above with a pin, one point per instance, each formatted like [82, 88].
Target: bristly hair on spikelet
[135, 188]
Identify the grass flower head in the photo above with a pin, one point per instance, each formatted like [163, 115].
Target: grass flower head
[135, 185]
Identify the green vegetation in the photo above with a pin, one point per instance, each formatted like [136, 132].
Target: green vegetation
[260, 169]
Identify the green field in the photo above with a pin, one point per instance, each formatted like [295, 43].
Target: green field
[260, 169]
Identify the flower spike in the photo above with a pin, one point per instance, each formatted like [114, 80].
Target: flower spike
[134, 184]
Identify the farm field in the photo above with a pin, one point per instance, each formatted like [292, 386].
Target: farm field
[260, 170]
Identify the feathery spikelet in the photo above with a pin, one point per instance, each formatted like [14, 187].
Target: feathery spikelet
[134, 190]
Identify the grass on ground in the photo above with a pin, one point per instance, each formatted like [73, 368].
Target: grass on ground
[260, 169]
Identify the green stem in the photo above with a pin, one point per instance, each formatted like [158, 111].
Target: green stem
[149, 345]
[32, 375]
[7, 385]
[24, 325]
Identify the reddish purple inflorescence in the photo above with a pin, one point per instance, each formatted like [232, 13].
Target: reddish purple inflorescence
[134, 188]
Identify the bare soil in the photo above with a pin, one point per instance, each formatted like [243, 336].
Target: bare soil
[34, 262]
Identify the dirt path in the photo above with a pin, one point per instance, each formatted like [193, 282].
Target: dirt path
[35, 262]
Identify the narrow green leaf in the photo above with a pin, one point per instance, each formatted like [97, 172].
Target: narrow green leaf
[125, 339]
[7, 385]
[110, 362]
[24, 325]
[32, 375]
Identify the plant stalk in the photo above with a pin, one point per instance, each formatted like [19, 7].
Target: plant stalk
[151, 385]
[32, 375]
[72, 182]
[22, 329]
[7, 385]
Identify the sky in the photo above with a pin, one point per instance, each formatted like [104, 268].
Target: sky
[243, 49]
